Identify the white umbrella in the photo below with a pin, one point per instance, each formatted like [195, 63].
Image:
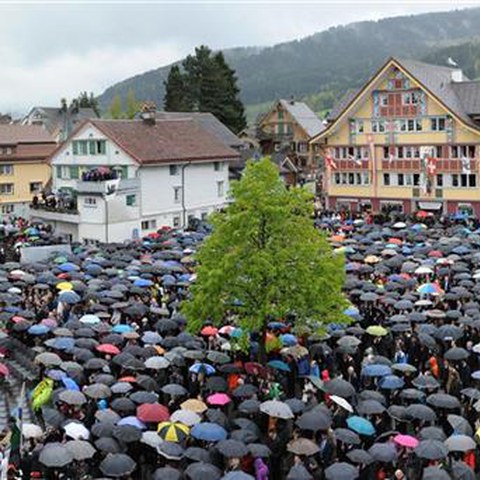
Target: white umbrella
[186, 417]
[30, 430]
[152, 439]
[277, 409]
[77, 431]
[423, 270]
[342, 403]
[399, 225]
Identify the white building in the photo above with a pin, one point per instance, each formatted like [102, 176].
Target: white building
[169, 171]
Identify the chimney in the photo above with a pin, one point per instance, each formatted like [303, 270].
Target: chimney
[457, 75]
[292, 99]
[148, 113]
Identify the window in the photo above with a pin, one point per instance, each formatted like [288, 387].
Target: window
[8, 208]
[378, 126]
[303, 147]
[6, 189]
[359, 128]
[149, 224]
[464, 180]
[440, 180]
[177, 194]
[121, 171]
[131, 200]
[400, 152]
[8, 150]
[408, 179]
[280, 114]
[89, 147]
[218, 166]
[74, 172]
[90, 202]
[63, 171]
[410, 98]
[174, 170]
[220, 188]
[36, 187]
[455, 180]
[459, 151]
[386, 179]
[400, 180]
[438, 151]
[438, 124]
[384, 100]
[176, 221]
[416, 179]
[6, 169]
[410, 125]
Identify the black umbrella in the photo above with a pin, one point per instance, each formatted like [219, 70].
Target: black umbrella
[175, 389]
[349, 437]
[123, 405]
[216, 384]
[360, 456]
[435, 473]
[443, 400]
[370, 407]
[259, 450]
[117, 465]
[127, 433]
[456, 354]
[431, 450]
[167, 473]
[314, 421]
[299, 472]
[421, 412]
[339, 386]
[432, 433]
[108, 445]
[55, 455]
[102, 429]
[383, 452]
[197, 454]
[341, 471]
[203, 471]
[232, 448]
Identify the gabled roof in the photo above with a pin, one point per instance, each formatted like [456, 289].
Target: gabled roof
[164, 141]
[14, 134]
[457, 97]
[304, 116]
[209, 121]
[344, 101]
[469, 95]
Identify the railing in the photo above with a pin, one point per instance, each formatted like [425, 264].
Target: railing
[101, 187]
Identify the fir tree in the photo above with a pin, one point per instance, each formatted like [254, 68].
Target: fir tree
[176, 98]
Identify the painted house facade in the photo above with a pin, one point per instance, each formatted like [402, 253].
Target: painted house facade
[24, 166]
[162, 172]
[408, 140]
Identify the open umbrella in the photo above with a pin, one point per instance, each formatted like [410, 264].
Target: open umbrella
[167, 473]
[460, 443]
[383, 452]
[406, 441]
[80, 449]
[431, 450]
[152, 413]
[361, 425]
[232, 448]
[210, 432]
[173, 431]
[203, 471]
[299, 472]
[341, 471]
[117, 465]
[276, 409]
[55, 455]
[303, 446]
[340, 387]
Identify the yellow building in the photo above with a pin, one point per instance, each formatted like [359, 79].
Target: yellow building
[24, 169]
[285, 130]
[407, 140]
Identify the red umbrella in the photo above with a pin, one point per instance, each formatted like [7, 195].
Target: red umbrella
[253, 368]
[128, 379]
[209, 331]
[153, 413]
[4, 370]
[435, 254]
[108, 348]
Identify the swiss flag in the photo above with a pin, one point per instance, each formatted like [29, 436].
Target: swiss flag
[329, 161]
[431, 166]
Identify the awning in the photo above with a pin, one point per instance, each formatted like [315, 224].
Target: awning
[430, 205]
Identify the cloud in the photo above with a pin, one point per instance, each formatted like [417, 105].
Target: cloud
[55, 50]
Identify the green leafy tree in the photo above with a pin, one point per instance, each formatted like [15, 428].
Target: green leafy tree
[133, 106]
[115, 109]
[176, 97]
[265, 259]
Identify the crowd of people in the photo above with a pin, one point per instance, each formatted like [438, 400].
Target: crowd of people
[123, 390]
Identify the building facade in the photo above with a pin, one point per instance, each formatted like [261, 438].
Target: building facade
[161, 173]
[24, 166]
[408, 140]
[285, 131]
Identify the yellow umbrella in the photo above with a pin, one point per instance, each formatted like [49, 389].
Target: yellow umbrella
[65, 286]
[173, 431]
[377, 331]
[372, 259]
[194, 405]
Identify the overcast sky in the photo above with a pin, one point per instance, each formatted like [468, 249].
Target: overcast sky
[53, 50]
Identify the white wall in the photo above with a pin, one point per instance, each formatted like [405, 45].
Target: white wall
[200, 183]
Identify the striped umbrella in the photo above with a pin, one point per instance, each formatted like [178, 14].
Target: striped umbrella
[173, 431]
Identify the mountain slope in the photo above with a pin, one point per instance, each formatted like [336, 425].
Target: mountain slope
[329, 61]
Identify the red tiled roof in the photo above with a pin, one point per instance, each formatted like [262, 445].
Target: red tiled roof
[14, 134]
[165, 141]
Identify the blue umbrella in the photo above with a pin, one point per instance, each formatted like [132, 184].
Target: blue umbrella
[391, 382]
[38, 329]
[94, 269]
[68, 267]
[169, 280]
[279, 365]
[69, 297]
[122, 328]
[276, 325]
[142, 282]
[361, 425]
[351, 311]
[461, 250]
[288, 339]
[70, 384]
[133, 421]
[209, 432]
[202, 368]
[376, 370]
[56, 374]
[63, 343]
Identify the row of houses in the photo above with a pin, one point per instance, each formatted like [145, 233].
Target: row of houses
[113, 180]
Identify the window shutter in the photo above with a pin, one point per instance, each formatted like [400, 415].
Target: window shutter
[103, 147]
[74, 172]
[75, 147]
[91, 148]
[59, 171]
